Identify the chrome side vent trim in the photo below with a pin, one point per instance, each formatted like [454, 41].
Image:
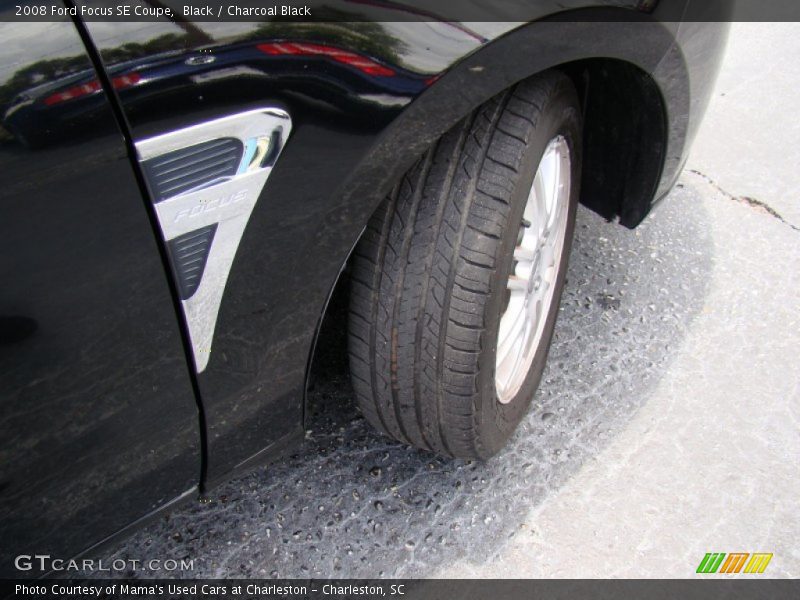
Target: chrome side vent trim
[189, 253]
[205, 181]
[193, 168]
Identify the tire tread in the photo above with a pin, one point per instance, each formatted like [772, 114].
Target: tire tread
[423, 270]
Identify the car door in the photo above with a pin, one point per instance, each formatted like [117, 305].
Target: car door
[98, 421]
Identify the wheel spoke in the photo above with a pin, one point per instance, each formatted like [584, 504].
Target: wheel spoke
[512, 334]
[547, 261]
[540, 195]
[517, 283]
[524, 254]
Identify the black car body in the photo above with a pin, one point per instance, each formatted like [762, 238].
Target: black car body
[107, 415]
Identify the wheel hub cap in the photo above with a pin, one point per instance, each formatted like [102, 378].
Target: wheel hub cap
[531, 285]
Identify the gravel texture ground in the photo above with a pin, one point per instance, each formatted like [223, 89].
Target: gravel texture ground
[355, 504]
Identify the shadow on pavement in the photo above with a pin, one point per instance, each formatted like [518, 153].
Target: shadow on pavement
[351, 503]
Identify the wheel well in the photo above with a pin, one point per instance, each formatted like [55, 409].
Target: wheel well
[624, 137]
[625, 141]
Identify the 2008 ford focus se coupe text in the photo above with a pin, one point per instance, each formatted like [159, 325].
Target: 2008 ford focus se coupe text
[179, 199]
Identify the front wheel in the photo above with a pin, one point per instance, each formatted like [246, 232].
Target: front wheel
[457, 280]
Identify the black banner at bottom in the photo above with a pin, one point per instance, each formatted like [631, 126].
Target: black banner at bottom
[406, 589]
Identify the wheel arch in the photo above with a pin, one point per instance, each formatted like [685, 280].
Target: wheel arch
[648, 113]
[635, 142]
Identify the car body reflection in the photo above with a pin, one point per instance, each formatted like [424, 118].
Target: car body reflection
[344, 79]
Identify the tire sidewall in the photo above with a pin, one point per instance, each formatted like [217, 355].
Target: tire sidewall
[497, 422]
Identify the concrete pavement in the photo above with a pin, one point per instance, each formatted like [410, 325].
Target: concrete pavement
[710, 461]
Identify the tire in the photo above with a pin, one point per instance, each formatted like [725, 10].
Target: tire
[430, 275]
